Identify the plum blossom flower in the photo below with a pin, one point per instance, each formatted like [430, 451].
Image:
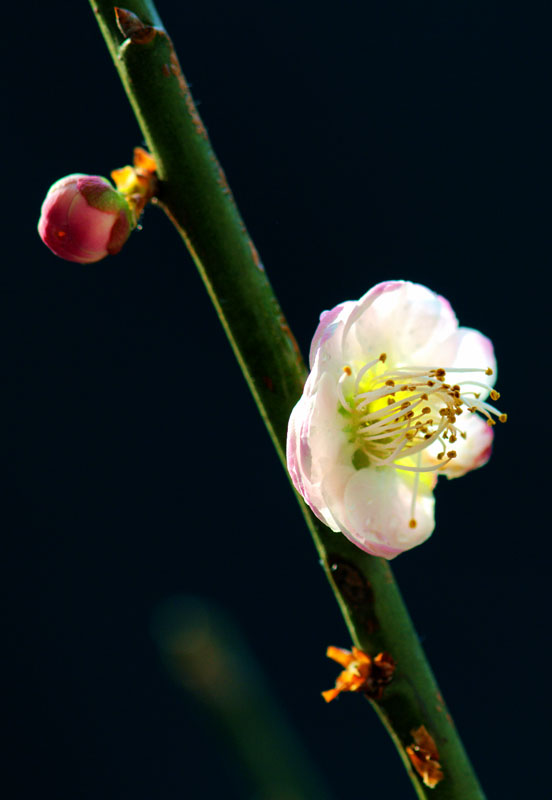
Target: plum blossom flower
[397, 395]
[84, 219]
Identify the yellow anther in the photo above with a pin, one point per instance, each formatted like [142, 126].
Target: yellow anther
[391, 420]
[488, 371]
[412, 523]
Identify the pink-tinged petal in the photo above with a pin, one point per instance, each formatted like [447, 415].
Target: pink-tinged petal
[315, 442]
[410, 323]
[379, 510]
[475, 350]
[371, 508]
[472, 452]
[362, 311]
[299, 461]
[329, 331]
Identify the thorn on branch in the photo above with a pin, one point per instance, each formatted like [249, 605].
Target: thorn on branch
[133, 28]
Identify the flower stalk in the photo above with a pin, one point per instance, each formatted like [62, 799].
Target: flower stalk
[194, 193]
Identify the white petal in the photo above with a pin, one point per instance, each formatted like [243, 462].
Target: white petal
[410, 323]
[377, 511]
[364, 318]
[327, 336]
[472, 452]
[474, 350]
[316, 442]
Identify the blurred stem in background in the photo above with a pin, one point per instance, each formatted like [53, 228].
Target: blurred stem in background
[194, 193]
[206, 654]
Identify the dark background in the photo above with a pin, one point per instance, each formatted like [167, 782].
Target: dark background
[363, 142]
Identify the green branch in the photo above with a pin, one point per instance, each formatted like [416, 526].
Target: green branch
[195, 195]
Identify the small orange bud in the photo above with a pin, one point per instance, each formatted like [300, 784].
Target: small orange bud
[362, 673]
[424, 757]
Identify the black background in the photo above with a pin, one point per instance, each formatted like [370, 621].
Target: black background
[363, 142]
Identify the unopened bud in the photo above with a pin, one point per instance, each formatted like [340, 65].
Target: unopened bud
[84, 219]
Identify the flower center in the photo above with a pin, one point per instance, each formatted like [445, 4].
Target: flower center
[397, 413]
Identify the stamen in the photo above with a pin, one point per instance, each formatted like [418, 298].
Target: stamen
[412, 523]
[391, 422]
[339, 389]
[362, 372]
[486, 370]
[434, 468]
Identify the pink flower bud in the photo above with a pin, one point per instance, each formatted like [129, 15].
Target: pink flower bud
[84, 219]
